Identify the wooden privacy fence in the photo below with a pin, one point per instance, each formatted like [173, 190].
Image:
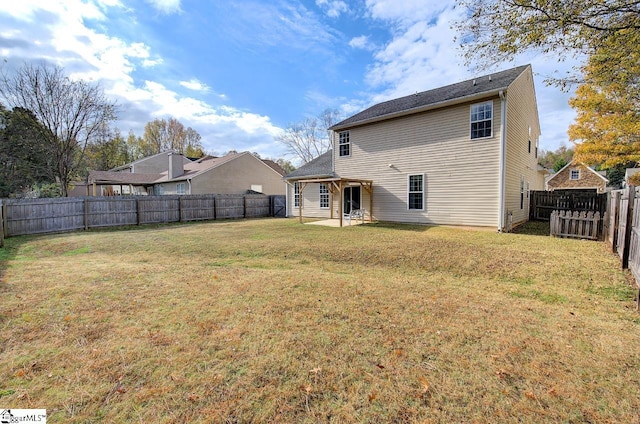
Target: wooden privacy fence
[38, 216]
[542, 203]
[624, 229]
[582, 225]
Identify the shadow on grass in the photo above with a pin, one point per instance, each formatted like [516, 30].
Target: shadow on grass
[533, 228]
[420, 228]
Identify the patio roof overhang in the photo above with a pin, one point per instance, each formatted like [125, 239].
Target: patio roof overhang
[337, 184]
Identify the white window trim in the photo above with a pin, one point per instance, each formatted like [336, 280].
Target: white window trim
[340, 155]
[296, 194]
[321, 194]
[409, 208]
[184, 188]
[471, 122]
[571, 174]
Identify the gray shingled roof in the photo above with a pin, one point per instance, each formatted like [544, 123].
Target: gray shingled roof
[319, 167]
[485, 84]
[125, 177]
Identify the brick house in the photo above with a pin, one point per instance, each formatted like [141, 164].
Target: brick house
[576, 175]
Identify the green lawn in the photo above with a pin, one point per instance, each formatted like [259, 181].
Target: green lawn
[273, 321]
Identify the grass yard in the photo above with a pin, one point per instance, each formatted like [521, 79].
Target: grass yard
[273, 321]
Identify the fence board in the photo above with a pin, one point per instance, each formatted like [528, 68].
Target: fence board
[197, 208]
[582, 225]
[36, 216]
[110, 211]
[229, 206]
[256, 206]
[545, 202]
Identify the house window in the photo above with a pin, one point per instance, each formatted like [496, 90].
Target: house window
[536, 149]
[180, 188]
[416, 192]
[575, 174]
[344, 145]
[481, 120]
[296, 195]
[159, 190]
[521, 191]
[324, 196]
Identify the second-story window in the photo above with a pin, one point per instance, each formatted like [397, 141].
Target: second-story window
[481, 120]
[344, 144]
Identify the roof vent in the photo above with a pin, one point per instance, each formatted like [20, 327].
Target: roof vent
[474, 83]
[489, 78]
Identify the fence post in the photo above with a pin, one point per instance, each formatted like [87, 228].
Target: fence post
[627, 232]
[86, 214]
[137, 211]
[244, 206]
[179, 208]
[1, 224]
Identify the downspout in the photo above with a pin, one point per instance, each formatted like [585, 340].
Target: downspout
[287, 199]
[503, 161]
[189, 182]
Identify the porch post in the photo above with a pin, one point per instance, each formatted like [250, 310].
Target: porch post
[370, 203]
[340, 201]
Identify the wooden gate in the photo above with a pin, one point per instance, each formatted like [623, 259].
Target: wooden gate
[545, 202]
[278, 206]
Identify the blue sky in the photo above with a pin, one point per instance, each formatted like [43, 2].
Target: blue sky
[239, 72]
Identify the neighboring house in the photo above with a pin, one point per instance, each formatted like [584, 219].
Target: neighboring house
[576, 175]
[463, 154]
[628, 173]
[172, 173]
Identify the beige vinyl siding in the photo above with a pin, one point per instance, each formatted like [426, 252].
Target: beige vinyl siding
[522, 114]
[156, 164]
[172, 188]
[310, 202]
[237, 176]
[461, 175]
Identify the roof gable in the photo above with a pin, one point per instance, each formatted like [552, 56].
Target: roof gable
[576, 163]
[476, 87]
[322, 166]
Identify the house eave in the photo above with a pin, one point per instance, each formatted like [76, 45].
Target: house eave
[425, 108]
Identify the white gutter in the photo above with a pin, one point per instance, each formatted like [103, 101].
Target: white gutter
[503, 161]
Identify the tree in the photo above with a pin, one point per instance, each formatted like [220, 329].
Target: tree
[110, 152]
[607, 127]
[25, 160]
[286, 165]
[557, 159]
[493, 31]
[160, 135]
[72, 112]
[309, 138]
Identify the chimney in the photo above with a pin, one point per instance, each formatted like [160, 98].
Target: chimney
[176, 165]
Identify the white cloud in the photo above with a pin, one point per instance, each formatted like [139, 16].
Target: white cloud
[64, 39]
[406, 10]
[420, 56]
[166, 6]
[333, 8]
[362, 42]
[195, 85]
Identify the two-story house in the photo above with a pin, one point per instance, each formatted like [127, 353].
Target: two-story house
[463, 154]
